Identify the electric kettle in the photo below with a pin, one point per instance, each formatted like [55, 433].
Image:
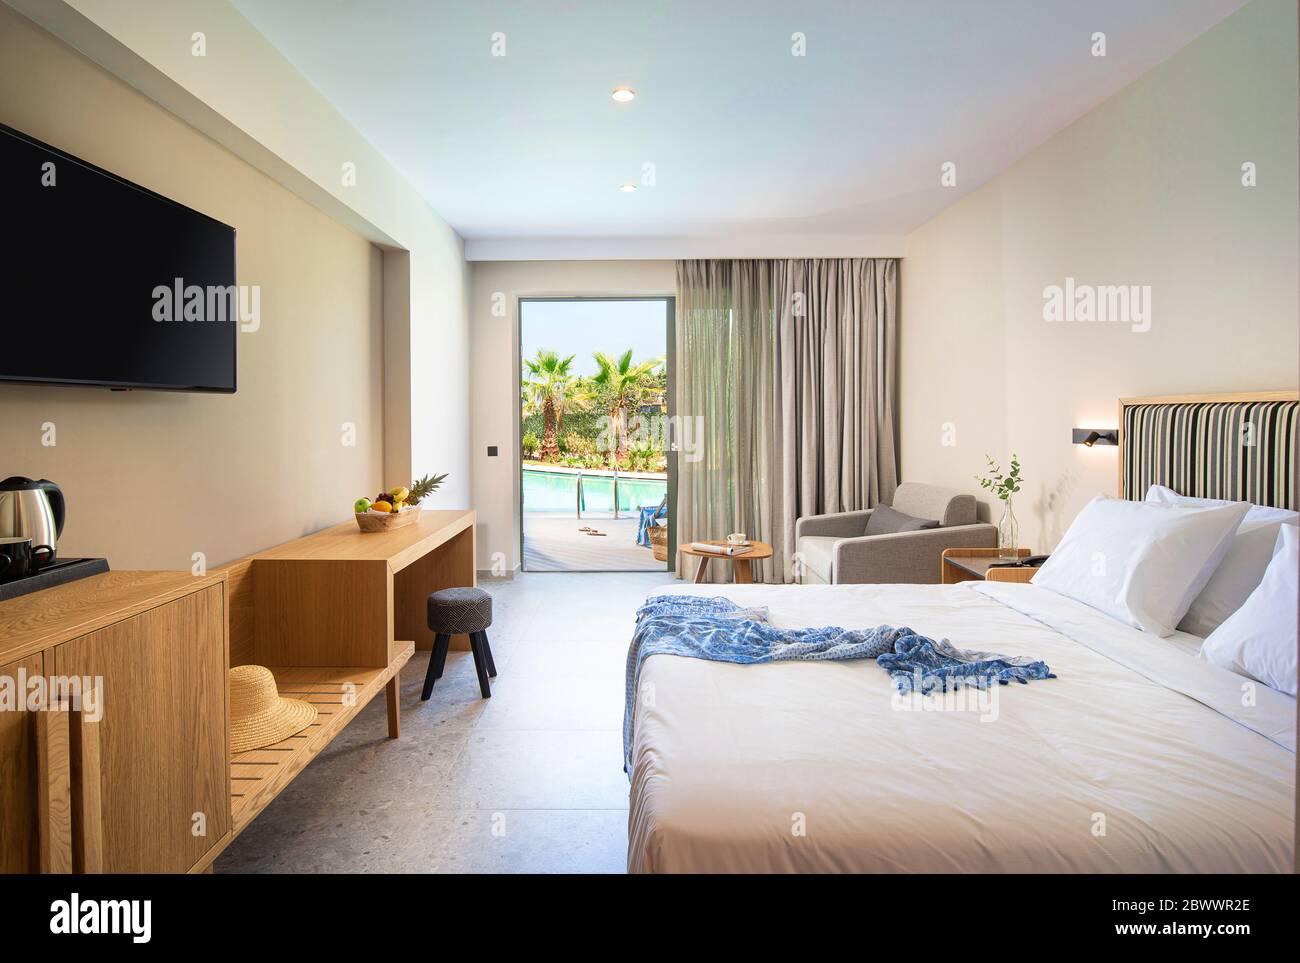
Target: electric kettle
[31, 509]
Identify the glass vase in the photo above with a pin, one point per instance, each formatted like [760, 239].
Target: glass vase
[1008, 533]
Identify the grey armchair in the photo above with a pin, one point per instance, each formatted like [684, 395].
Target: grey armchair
[834, 551]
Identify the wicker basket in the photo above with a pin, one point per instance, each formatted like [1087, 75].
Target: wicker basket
[659, 542]
[386, 522]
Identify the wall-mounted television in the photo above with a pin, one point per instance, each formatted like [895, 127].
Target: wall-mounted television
[107, 283]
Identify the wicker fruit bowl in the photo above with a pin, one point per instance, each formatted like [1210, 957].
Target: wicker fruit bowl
[387, 521]
[394, 507]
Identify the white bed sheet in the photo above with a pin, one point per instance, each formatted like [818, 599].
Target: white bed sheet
[1126, 762]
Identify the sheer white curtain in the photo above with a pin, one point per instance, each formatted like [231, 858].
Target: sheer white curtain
[788, 370]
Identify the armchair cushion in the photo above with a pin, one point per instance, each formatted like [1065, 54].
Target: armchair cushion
[885, 521]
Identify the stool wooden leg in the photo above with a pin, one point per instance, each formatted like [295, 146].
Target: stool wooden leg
[393, 690]
[480, 664]
[437, 658]
[743, 573]
[441, 644]
[487, 652]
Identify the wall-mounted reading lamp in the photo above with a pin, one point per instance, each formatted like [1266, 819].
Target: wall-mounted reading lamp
[1095, 436]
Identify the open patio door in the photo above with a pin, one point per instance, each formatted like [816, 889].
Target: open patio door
[597, 481]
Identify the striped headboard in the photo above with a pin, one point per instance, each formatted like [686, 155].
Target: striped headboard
[1240, 447]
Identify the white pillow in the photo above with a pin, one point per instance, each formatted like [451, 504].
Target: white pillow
[1243, 565]
[1140, 562]
[1259, 639]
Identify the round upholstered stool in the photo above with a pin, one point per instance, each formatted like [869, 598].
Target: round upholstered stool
[460, 611]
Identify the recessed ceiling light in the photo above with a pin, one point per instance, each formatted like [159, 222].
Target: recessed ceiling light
[623, 94]
[627, 188]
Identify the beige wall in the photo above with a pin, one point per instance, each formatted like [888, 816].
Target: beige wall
[494, 351]
[1146, 189]
[153, 477]
[951, 358]
[245, 95]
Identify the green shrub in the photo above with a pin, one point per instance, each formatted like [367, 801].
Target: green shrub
[584, 423]
[576, 444]
[645, 456]
[644, 461]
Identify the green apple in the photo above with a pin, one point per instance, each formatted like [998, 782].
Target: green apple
[362, 505]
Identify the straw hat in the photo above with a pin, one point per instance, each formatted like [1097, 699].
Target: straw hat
[258, 715]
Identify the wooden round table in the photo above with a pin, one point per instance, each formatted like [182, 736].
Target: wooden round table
[740, 562]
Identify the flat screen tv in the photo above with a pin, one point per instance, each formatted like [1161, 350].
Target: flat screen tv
[107, 283]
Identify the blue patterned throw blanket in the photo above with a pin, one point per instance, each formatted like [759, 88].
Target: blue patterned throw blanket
[719, 630]
[923, 665]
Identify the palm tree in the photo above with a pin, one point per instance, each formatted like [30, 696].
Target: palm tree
[623, 384]
[548, 389]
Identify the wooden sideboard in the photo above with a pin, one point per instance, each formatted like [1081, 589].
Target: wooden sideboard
[154, 645]
[149, 785]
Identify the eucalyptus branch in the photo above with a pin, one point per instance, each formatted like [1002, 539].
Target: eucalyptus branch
[1003, 486]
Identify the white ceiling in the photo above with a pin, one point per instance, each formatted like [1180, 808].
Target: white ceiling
[747, 140]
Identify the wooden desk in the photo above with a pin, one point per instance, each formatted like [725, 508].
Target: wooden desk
[335, 616]
[341, 597]
[973, 564]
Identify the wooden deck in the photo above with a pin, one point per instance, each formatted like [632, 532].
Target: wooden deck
[555, 544]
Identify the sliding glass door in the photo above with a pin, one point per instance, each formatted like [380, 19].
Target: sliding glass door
[595, 415]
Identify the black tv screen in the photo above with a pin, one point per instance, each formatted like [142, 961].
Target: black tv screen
[107, 283]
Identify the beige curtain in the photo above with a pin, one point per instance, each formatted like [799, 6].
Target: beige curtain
[787, 387]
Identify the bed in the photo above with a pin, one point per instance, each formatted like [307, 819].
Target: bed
[1139, 757]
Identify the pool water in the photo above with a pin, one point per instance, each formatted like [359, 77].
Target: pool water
[551, 491]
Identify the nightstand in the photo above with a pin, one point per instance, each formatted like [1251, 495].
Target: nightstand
[966, 564]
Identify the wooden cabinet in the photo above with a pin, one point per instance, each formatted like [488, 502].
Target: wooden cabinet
[19, 840]
[163, 740]
[152, 762]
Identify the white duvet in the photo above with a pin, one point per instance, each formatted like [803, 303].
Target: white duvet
[1139, 757]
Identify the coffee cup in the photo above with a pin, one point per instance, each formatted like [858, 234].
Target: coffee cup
[18, 559]
[736, 538]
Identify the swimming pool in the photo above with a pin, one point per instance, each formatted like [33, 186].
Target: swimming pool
[555, 491]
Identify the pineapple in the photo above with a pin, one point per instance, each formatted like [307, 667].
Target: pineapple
[422, 487]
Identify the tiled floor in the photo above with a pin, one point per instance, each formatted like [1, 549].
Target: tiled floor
[530, 780]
